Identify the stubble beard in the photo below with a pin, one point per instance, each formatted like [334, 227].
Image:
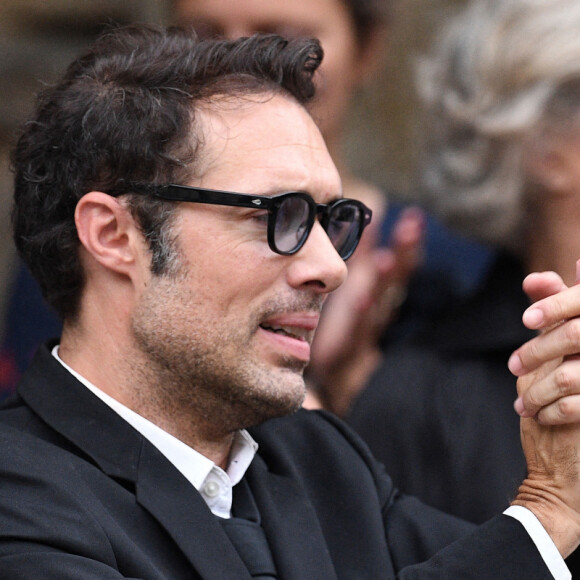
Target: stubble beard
[193, 372]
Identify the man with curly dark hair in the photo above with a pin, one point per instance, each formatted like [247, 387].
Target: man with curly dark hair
[178, 206]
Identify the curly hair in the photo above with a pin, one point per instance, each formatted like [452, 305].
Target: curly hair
[124, 113]
[501, 74]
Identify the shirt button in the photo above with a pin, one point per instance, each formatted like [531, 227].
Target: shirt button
[211, 489]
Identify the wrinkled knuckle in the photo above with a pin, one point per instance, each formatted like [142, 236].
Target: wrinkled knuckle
[564, 381]
[532, 401]
[573, 332]
[529, 352]
[555, 414]
[564, 410]
[556, 310]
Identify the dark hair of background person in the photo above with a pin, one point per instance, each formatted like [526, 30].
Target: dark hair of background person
[88, 134]
[367, 17]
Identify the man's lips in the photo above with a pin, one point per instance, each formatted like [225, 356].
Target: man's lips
[290, 334]
[297, 325]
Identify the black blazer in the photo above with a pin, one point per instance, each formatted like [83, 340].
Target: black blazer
[84, 495]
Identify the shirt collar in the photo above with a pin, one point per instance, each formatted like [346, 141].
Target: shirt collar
[194, 466]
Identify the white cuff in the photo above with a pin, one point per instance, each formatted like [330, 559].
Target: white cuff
[541, 538]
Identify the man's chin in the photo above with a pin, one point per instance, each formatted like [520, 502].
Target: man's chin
[292, 365]
[264, 411]
[285, 399]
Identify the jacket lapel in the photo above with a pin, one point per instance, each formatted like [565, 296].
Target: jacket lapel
[123, 453]
[288, 519]
[188, 520]
[291, 525]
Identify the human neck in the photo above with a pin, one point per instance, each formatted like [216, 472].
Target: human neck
[553, 239]
[107, 360]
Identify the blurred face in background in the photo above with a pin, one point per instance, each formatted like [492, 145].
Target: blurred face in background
[345, 63]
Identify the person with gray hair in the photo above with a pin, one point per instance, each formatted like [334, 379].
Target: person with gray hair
[501, 163]
[502, 103]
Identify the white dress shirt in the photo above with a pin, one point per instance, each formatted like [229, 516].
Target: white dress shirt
[213, 483]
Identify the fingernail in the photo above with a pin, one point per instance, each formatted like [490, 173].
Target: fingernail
[533, 318]
[519, 407]
[515, 364]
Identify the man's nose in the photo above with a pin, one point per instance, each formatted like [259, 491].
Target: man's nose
[317, 264]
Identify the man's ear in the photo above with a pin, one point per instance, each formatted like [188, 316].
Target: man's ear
[107, 231]
[553, 166]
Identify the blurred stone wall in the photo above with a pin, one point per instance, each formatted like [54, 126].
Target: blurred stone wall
[383, 126]
[39, 37]
[37, 40]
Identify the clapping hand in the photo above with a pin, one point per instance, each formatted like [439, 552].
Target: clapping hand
[548, 370]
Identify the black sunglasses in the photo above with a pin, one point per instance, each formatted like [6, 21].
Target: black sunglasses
[290, 215]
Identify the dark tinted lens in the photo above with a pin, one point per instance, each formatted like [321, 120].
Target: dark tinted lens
[292, 223]
[344, 228]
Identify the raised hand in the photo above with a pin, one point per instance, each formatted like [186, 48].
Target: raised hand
[548, 362]
[549, 403]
